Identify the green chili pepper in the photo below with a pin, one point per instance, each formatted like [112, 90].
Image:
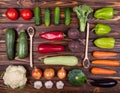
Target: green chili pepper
[102, 29]
[104, 13]
[105, 42]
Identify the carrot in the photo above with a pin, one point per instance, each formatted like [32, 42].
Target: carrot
[107, 62]
[100, 54]
[96, 70]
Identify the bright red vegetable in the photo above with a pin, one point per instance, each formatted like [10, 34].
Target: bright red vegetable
[46, 48]
[12, 13]
[26, 14]
[53, 35]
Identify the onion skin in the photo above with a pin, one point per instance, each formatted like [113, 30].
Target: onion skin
[36, 73]
[61, 73]
[49, 73]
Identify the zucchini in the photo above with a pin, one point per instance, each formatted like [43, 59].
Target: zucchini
[22, 47]
[67, 16]
[37, 16]
[47, 17]
[10, 43]
[104, 83]
[61, 60]
[57, 16]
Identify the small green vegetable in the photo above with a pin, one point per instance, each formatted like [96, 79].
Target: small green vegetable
[67, 15]
[61, 60]
[82, 12]
[104, 13]
[76, 77]
[105, 42]
[37, 15]
[57, 16]
[102, 29]
[10, 43]
[22, 48]
[47, 17]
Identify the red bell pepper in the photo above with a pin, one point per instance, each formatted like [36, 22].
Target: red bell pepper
[53, 35]
[47, 48]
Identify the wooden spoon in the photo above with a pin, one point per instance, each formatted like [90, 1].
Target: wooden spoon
[31, 31]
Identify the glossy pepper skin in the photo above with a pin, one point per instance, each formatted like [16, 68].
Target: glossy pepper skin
[53, 35]
[102, 29]
[47, 48]
[105, 42]
[104, 13]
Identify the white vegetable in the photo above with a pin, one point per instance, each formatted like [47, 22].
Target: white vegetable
[37, 84]
[59, 85]
[15, 76]
[48, 84]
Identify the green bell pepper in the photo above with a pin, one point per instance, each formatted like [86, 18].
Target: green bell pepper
[105, 42]
[104, 13]
[102, 29]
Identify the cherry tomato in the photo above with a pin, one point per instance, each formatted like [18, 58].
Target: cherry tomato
[26, 14]
[12, 13]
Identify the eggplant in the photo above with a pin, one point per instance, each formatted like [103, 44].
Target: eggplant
[103, 83]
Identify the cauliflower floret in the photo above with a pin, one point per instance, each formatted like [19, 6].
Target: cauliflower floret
[11, 68]
[15, 76]
[22, 69]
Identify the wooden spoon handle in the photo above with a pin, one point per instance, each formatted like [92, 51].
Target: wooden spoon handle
[31, 63]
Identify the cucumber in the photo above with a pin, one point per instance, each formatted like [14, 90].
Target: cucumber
[61, 60]
[10, 43]
[67, 16]
[37, 16]
[47, 17]
[57, 16]
[22, 47]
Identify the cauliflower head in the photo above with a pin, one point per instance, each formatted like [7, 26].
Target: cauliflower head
[15, 76]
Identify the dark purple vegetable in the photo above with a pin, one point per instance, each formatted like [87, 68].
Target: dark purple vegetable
[74, 46]
[104, 83]
[73, 33]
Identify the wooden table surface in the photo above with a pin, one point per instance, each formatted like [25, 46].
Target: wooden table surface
[21, 24]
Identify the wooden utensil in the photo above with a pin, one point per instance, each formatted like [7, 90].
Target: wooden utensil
[31, 32]
[86, 62]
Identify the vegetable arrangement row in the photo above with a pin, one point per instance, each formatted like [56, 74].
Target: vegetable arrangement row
[76, 77]
[27, 14]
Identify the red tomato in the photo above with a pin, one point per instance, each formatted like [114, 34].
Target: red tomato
[26, 14]
[12, 13]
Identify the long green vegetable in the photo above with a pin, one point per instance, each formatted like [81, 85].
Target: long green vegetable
[61, 60]
[82, 12]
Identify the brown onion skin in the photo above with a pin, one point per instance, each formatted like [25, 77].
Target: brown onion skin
[61, 73]
[36, 73]
[49, 73]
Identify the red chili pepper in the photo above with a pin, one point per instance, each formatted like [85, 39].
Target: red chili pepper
[46, 48]
[53, 35]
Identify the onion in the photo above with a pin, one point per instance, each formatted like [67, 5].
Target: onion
[49, 73]
[36, 73]
[61, 73]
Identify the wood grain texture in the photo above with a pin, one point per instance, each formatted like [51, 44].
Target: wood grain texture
[21, 24]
